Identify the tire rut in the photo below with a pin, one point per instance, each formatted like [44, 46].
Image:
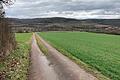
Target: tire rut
[40, 68]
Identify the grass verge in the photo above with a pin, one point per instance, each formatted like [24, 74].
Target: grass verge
[41, 45]
[15, 65]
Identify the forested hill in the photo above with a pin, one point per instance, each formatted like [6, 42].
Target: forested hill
[43, 20]
[113, 22]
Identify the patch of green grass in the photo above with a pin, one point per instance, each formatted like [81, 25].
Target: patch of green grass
[15, 66]
[23, 37]
[100, 51]
[41, 45]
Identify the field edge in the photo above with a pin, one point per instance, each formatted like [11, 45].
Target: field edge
[81, 64]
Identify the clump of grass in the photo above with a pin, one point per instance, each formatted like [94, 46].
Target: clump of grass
[41, 45]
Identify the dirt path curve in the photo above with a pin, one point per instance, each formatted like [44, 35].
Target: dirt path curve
[40, 68]
[64, 67]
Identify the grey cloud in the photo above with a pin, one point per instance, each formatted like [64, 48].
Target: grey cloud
[40, 8]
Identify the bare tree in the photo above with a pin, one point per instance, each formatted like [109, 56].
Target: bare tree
[7, 38]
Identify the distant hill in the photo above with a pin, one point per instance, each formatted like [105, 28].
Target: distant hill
[111, 26]
[112, 22]
[43, 20]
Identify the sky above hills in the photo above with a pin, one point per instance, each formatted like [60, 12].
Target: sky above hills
[79, 9]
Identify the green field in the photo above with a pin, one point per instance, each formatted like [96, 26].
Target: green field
[101, 51]
[23, 37]
[15, 66]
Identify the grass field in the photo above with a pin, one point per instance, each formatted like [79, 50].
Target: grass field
[23, 37]
[15, 66]
[101, 51]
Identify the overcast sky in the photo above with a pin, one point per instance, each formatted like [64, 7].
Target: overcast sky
[80, 9]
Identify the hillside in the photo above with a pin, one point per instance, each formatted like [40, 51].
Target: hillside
[43, 20]
[113, 22]
[66, 24]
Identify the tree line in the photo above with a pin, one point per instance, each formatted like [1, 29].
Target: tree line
[7, 38]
